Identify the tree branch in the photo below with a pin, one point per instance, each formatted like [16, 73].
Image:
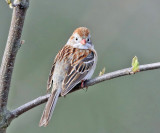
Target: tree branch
[7, 65]
[42, 99]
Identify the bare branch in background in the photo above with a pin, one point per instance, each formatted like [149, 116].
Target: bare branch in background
[9, 56]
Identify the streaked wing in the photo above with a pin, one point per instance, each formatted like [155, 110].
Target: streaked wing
[78, 69]
[50, 80]
[62, 54]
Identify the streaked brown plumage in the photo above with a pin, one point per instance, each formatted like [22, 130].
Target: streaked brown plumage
[74, 63]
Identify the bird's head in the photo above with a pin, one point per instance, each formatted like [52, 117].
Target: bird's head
[81, 39]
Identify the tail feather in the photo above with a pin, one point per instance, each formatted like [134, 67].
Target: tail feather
[49, 108]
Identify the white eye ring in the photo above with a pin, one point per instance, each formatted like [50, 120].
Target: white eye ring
[76, 38]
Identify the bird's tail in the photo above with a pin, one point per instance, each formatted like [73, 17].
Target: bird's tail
[49, 108]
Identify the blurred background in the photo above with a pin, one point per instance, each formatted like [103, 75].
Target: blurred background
[120, 30]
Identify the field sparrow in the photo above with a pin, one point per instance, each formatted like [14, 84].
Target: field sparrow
[73, 64]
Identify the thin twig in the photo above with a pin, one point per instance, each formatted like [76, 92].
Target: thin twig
[12, 46]
[42, 99]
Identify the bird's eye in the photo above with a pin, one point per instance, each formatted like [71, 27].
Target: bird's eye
[88, 40]
[76, 39]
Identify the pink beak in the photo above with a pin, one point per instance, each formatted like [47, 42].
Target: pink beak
[83, 42]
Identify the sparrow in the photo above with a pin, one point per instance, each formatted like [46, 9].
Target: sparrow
[73, 64]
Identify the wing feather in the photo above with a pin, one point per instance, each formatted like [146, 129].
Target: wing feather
[77, 71]
[50, 81]
[62, 54]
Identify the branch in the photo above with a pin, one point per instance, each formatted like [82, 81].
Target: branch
[12, 46]
[42, 99]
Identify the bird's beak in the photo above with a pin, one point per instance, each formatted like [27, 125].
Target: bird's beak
[83, 41]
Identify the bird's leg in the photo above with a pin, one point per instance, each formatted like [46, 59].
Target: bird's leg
[82, 85]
